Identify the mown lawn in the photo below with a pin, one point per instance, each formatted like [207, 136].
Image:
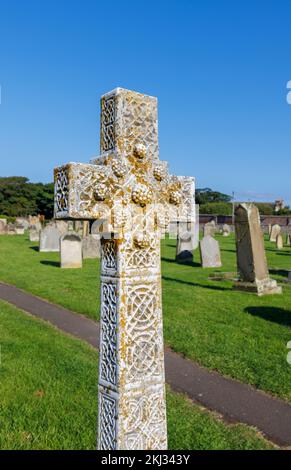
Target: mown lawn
[236, 333]
[48, 395]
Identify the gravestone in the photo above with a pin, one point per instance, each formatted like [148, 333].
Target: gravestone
[196, 228]
[209, 229]
[91, 246]
[130, 189]
[33, 233]
[33, 219]
[184, 247]
[49, 238]
[78, 227]
[288, 239]
[62, 226]
[11, 229]
[85, 231]
[3, 225]
[226, 230]
[96, 228]
[23, 221]
[210, 252]
[250, 251]
[279, 242]
[276, 229]
[19, 230]
[71, 251]
[173, 230]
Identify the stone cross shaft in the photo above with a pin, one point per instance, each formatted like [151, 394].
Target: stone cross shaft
[131, 192]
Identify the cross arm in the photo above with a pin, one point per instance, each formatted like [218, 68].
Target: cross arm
[78, 191]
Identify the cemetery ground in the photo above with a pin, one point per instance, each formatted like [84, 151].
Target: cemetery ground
[49, 380]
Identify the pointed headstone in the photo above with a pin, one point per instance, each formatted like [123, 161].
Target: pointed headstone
[250, 250]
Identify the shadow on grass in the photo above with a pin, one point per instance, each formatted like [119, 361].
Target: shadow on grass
[46, 262]
[192, 263]
[230, 251]
[273, 314]
[195, 284]
[279, 272]
[35, 248]
[284, 253]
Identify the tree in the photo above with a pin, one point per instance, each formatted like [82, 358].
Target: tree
[206, 195]
[19, 197]
[217, 208]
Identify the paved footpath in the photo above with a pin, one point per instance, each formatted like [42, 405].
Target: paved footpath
[235, 401]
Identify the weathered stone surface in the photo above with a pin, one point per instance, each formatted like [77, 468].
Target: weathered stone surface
[11, 229]
[91, 246]
[96, 228]
[279, 242]
[131, 190]
[184, 247]
[251, 257]
[71, 251]
[49, 238]
[209, 229]
[23, 221]
[196, 228]
[3, 225]
[226, 230]
[275, 230]
[19, 230]
[61, 225]
[210, 252]
[173, 230]
[33, 233]
[33, 219]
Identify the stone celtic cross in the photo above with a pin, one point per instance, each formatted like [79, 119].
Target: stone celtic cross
[131, 192]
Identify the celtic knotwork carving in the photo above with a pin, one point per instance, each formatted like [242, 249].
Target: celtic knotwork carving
[108, 349]
[109, 255]
[107, 124]
[144, 339]
[145, 422]
[61, 191]
[141, 257]
[107, 422]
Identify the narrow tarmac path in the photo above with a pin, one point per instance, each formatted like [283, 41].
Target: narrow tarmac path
[235, 401]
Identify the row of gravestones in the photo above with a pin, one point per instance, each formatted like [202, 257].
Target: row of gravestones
[210, 251]
[61, 236]
[11, 229]
[250, 251]
[188, 241]
[20, 225]
[276, 236]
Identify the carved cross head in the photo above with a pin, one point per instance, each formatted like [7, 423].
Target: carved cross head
[127, 187]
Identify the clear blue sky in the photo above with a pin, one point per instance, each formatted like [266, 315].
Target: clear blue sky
[219, 68]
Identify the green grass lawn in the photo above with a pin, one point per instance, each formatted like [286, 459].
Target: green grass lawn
[238, 334]
[48, 395]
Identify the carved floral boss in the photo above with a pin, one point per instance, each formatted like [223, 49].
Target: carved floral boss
[114, 188]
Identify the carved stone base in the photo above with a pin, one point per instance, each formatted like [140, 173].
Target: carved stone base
[266, 287]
